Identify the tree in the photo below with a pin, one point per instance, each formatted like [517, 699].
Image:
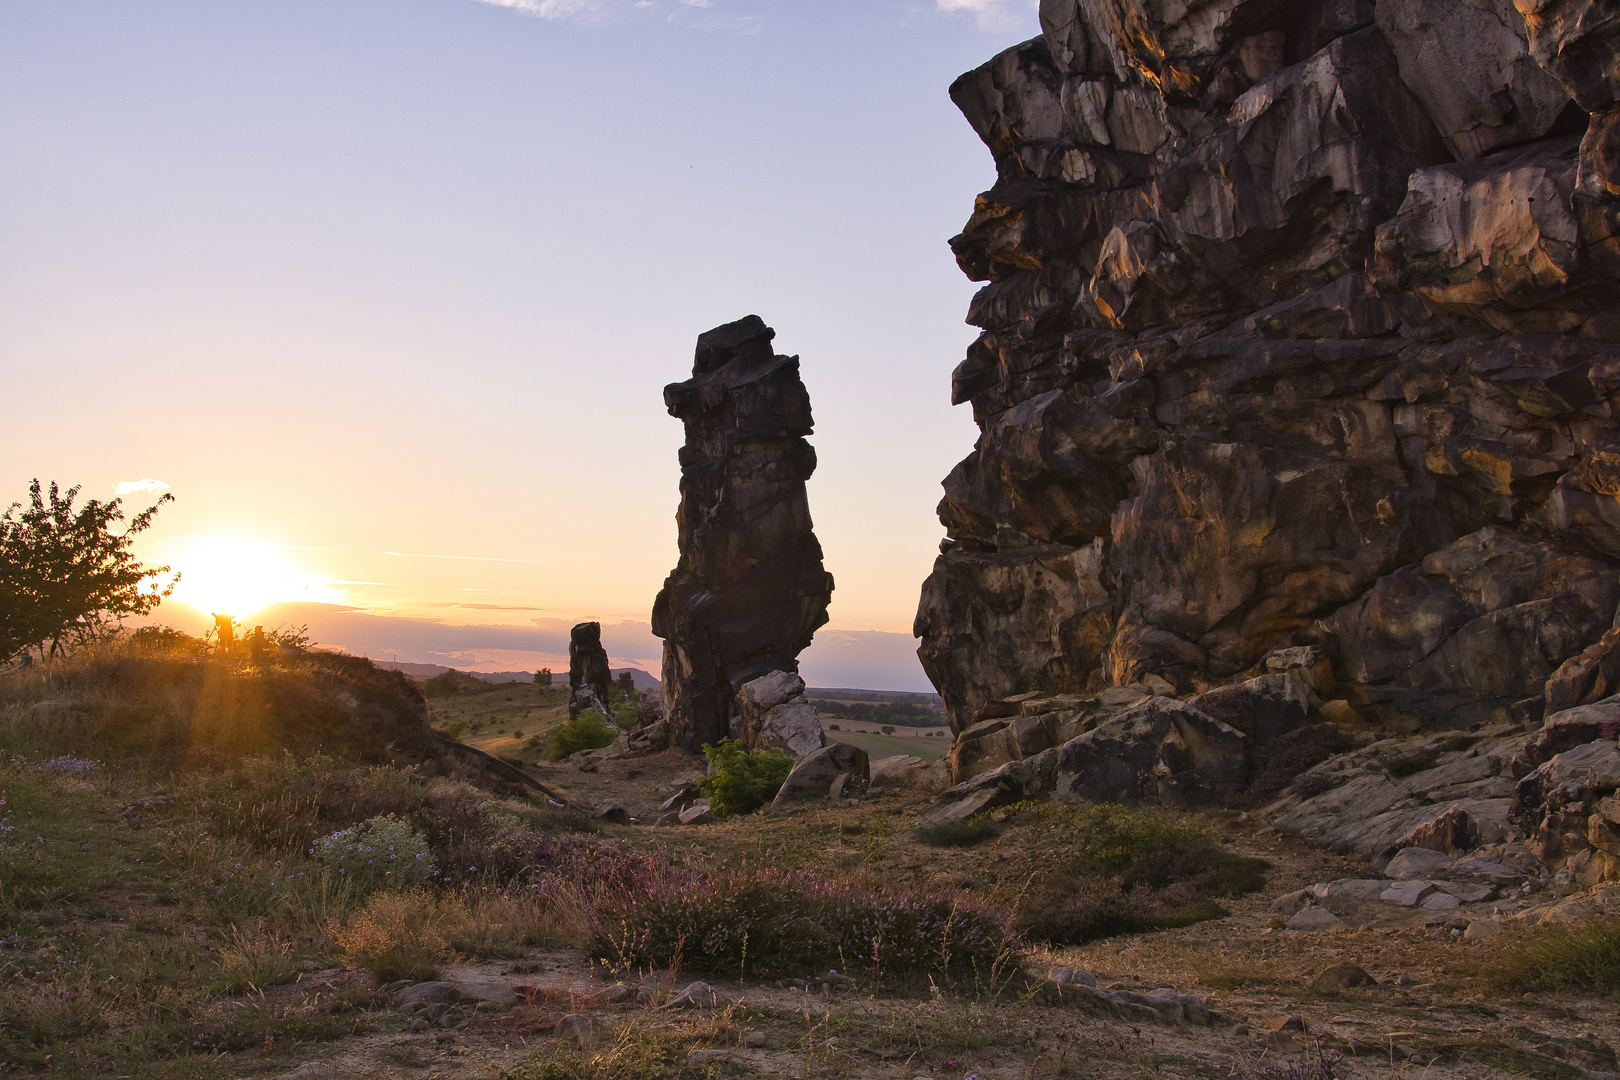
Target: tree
[543, 676]
[65, 576]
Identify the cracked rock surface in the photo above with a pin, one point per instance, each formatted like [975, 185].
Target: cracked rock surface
[1301, 331]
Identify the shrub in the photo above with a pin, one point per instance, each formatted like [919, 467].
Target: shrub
[956, 833]
[1129, 870]
[780, 921]
[456, 729]
[403, 935]
[627, 716]
[742, 780]
[453, 682]
[1555, 957]
[381, 851]
[587, 731]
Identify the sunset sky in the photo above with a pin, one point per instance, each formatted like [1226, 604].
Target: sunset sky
[386, 292]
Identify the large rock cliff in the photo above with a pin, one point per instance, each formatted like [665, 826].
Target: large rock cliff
[750, 589]
[1300, 358]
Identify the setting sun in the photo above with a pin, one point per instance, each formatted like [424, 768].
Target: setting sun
[230, 576]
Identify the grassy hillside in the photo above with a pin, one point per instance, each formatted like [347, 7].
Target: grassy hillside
[508, 720]
[165, 852]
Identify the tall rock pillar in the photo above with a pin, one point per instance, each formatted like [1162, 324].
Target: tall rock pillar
[588, 673]
[750, 589]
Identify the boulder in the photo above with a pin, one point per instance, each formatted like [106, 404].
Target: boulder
[699, 996]
[773, 713]
[906, 772]
[613, 812]
[697, 813]
[1314, 918]
[813, 776]
[750, 589]
[1341, 977]
[1161, 750]
[1263, 708]
[1418, 862]
[1015, 781]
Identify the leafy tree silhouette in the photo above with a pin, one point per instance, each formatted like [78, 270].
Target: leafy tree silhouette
[65, 576]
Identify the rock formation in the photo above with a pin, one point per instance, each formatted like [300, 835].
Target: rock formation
[750, 589]
[1300, 354]
[773, 713]
[588, 673]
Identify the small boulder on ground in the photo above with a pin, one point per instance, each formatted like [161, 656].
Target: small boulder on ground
[699, 995]
[1314, 918]
[1418, 862]
[577, 1029]
[613, 812]
[697, 814]
[1341, 977]
[812, 777]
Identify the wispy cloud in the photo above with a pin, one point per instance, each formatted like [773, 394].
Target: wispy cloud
[577, 11]
[994, 15]
[135, 487]
[701, 14]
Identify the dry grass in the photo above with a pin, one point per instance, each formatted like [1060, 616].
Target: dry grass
[1555, 957]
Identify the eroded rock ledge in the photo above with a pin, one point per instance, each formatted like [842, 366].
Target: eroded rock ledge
[1301, 331]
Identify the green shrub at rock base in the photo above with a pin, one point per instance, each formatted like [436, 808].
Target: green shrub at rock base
[743, 780]
[587, 731]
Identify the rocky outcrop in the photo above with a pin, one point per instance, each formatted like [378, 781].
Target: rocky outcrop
[750, 590]
[774, 714]
[1301, 333]
[588, 673]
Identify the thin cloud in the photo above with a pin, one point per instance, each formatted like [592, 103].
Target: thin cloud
[577, 11]
[135, 487]
[994, 15]
[702, 14]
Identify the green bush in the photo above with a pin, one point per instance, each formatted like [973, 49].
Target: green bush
[456, 729]
[378, 852]
[627, 716]
[743, 780]
[587, 731]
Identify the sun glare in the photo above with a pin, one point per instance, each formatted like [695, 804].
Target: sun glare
[243, 577]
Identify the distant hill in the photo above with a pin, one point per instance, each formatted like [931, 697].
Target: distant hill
[643, 680]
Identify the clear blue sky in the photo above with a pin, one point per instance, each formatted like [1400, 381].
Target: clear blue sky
[356, 278]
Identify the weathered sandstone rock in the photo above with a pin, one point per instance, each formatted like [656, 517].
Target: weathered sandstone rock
[750, 589]
[588, 674]
[1301, 331]
[829, 773]
[773, 713]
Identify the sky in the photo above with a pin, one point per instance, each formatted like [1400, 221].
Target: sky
[385, 293]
